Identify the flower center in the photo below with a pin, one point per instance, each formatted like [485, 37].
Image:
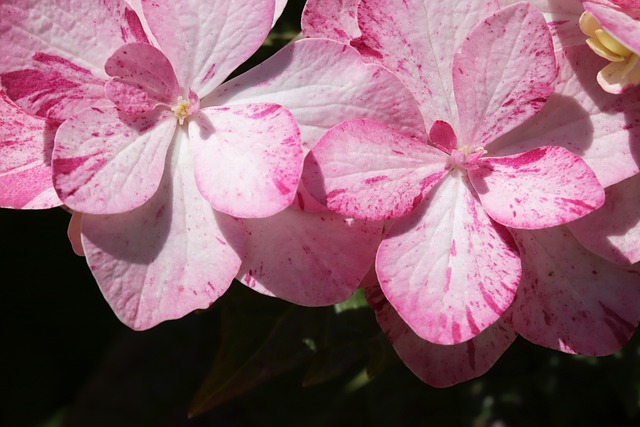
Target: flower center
[181, 109]
[604, 44]
[462, 158]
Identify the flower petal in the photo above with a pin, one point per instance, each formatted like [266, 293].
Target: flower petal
[320, 258]
[73, 30]
[603, 129]
[206, 40]
[323, 83]
[620, 77]
[52, 64]
[416, 39]
[142, 79]
[168, 257]
[280, 5]
[435, 364]
[105, 161]
[503, 73]
[54, 88]
[26, 143]
[613, 231]
[447, 268]
[541, 188]
[443, 136]
[622, 3]
[367, 170]
[571, 300]
[248, 158]
[331, 19]
[562, 19]
[74, 233]
[622, 21]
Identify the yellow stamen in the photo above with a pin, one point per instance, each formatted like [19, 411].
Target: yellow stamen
[601, 42]
[602, 51]
[181, 110]
[612, 44]
[589, 24]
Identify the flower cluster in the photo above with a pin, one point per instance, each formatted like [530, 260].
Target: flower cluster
[473, 164]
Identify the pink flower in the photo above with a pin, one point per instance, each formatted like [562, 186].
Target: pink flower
[550, 309]
[147, 171]
[141, 176]
[146, 162]
[449, 266]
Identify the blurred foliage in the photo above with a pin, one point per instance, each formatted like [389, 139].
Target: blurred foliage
[253, 361]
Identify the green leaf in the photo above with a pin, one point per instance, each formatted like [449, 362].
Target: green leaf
[355, 302]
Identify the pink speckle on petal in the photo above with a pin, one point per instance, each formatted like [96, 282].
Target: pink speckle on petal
[209, 74]
[448, 281]
[365, 49]
[455, 331]
[521, 160]
[67, 166]
[579, 205]
[490, 301]
[52, 59]
[471, 351]
[135, 26]
[335, 193]
[470, 320]
[264, 112]
[282, 187]
[300, 200]
[555, 24]
[21, 84]
[375, 179]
